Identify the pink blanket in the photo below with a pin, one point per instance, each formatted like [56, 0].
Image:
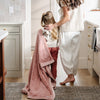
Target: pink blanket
[40, 76]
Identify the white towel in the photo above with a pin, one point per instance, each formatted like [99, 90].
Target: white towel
[98, 38]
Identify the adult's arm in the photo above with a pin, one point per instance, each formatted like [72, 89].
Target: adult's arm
[66, 17]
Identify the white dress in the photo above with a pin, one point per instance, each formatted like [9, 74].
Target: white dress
[50, 42]
[70, 40]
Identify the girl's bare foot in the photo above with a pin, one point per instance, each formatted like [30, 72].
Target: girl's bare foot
[70, 78]
[0, 79]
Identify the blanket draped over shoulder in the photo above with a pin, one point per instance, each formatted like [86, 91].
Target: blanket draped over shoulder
[39, 84]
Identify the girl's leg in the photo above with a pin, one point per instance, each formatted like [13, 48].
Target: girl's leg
[54, 53]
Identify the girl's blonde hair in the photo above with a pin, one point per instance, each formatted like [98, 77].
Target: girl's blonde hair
[47, 18]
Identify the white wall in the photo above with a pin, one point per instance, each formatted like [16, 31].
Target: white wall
[83, 54]
[27, 37]
[91, 4]
[18, 12]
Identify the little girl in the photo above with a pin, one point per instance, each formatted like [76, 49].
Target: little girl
[43, 67]
[51, 39]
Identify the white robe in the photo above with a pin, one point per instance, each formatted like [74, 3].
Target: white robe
[69, 51]
[70, 40]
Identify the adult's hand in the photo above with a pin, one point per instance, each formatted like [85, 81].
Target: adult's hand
[49, 27]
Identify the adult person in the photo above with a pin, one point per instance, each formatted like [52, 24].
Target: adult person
[71, 23]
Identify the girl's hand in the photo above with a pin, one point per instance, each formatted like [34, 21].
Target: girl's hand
[49, 27]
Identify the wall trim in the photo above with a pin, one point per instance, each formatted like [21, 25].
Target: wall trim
[83, 63]
[13, 74]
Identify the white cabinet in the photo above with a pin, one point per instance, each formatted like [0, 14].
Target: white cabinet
[93, 57]
[90, 29]
[96, 66]
[13, 47]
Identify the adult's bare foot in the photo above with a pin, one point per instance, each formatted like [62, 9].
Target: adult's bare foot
[70, 78]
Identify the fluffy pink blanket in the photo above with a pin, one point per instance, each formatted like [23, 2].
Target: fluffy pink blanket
[39, 85]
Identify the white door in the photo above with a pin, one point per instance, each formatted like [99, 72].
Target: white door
[39, 7]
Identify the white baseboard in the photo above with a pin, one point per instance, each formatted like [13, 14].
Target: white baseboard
[83, 63]
[13, 74]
